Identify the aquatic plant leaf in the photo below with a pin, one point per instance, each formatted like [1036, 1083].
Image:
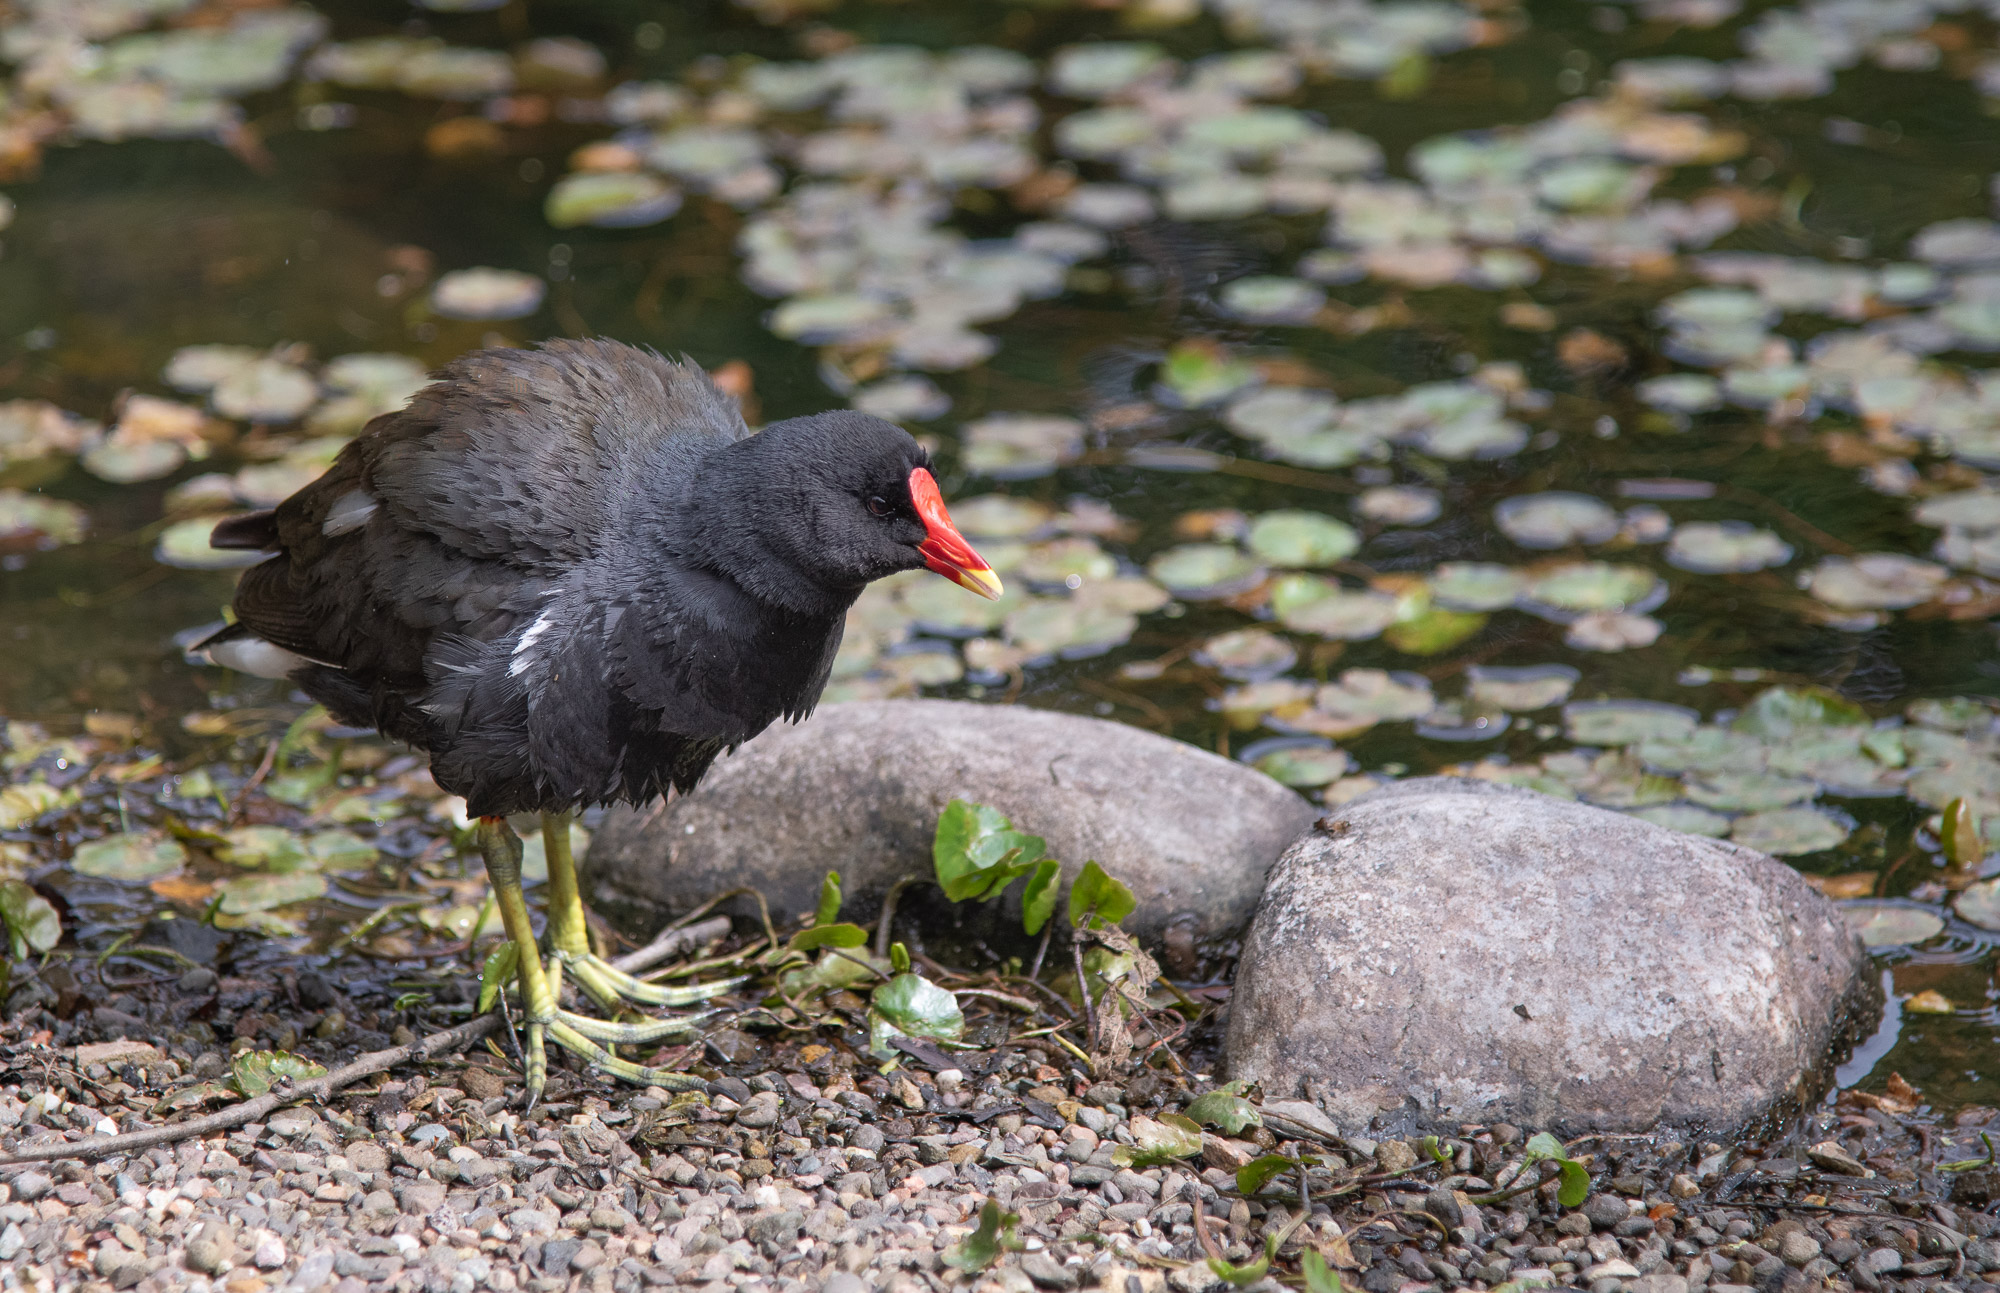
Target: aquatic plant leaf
[245, 895]
[1622, 722]
[1958, 834]
[610, 200]
[1204, 570]
[1979, 904]
[1476, 586]
[1749, 792]
[1555, 519]
[1434, 631]
[1685, 818]
[1886, 922]
[1305, 766]
[1784, 713]
[484, 293]
[130, 855]
[1521, 689]
[1788, 832]
[1875, 581]
[32, 922]
[1299, 538]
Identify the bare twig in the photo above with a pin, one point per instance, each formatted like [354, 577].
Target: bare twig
[888, 916]
[256, 779]
[318, 1088]
[671, 943]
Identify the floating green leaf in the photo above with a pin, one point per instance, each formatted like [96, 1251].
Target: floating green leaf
[246, 894]
[130, 855]
[1299, 538]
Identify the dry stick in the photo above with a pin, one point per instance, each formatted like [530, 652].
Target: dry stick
[888, 916]
[671, 942]
[251, 1110]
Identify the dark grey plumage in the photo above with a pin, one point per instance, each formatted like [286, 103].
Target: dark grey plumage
[573, 575]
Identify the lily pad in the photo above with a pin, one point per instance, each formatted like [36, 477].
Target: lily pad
[1556, 519]
[996, 516]
[1888, 923]
[185, 544]
[268, 390]
[126, 462]
[1020, 446]
[1198, 373]
[1400, 505]
[1612, 631]
[1202, 571]
[1682, 392]
[1269, 299]
[1066, 627]
[1789, 832]
[1305, 766]
[244, 895]
[30, 517]
[1980, 904]
[1584, 587]
[1749, 792]
[1247, 655]
[1374, 695]
[1623, 722]
[1476, 586]
[483, 293]
[1685, 818]
[1875, 581]
[1299, 538]
[1308, 604]
[1717, 547]
[1521, 689]
[129, 856]
[610, 200]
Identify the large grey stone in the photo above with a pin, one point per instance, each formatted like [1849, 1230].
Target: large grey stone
[858, 788]
[1450, 951]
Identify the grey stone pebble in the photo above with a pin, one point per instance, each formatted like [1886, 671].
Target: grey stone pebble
[1046, 1272]
[29, 1186]
[1605, 1210]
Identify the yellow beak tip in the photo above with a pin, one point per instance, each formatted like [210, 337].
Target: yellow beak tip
[983, 582]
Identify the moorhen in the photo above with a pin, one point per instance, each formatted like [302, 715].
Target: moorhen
[575, 577]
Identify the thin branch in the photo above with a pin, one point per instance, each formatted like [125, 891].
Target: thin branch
[671, 943]
[291, 1093]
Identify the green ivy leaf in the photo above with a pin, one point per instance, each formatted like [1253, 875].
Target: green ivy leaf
[32, 923]
[1038, 899]
[977, 852]
[829, 901]
[834, 935]
[255, 1072]
[1222, 1109]
[1093, 888]
[494, 976]
[983, 1246]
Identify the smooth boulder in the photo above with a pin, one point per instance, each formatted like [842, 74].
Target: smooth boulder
[1445, 951]
[859, 786]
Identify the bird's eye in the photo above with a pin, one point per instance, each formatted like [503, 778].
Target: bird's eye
[879, 505]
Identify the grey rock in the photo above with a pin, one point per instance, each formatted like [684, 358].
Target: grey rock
[858, 788]
[29, 1186]
[1881, 1261]
[1658, 1282]
[1047, 1272]
[843, 1282]
[1605, 1210]
[1798, 1247]
[557, 1253]
[1374, 969]
[12, 1241]
[207, 1256]
[764, 1110]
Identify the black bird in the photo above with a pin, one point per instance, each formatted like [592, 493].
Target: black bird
[574, 577]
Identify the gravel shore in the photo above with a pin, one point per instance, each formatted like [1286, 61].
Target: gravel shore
[808, 1170]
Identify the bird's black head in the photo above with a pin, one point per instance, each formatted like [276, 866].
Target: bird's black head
[808, 511]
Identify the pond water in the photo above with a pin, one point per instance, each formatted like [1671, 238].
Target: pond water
[1593, 396]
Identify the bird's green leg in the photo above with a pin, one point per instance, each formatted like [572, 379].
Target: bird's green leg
[501, 849]
[541, 986]
[569, 939]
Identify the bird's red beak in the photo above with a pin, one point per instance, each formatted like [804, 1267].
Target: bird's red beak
[946, 550]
